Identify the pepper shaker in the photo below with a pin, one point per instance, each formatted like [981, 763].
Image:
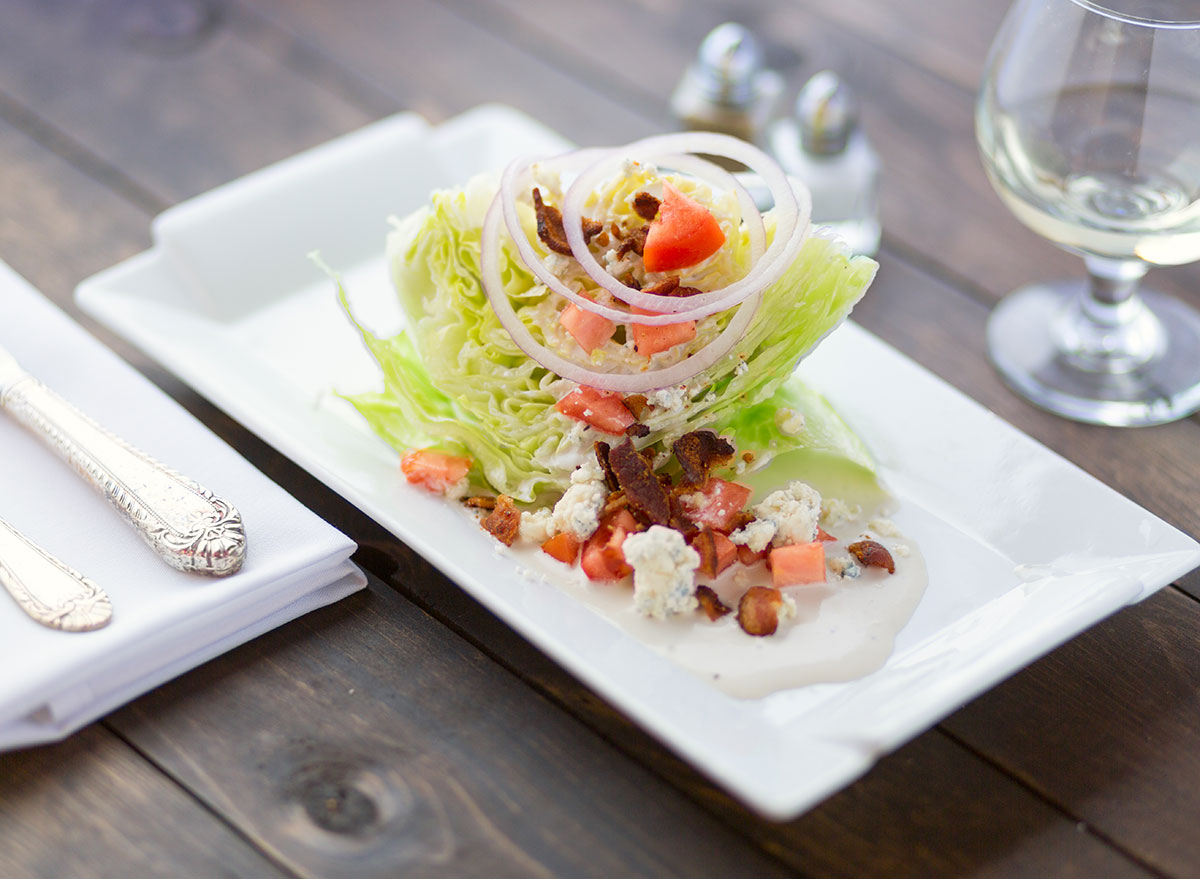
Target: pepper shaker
[726, 88]
[824, 146]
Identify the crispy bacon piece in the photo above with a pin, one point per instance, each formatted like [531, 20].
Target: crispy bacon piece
[670, 287]
[637, 429]
[872, 554]
[637, 404]
[550, 226]
[713, 607]
[616, 501]
[633, 242]
[646, 205]
[717, 552]
[758, 611]
[610, 479]
[481, 502]
[649, 499]
[504, 521]
[700, 451]
[591, 228]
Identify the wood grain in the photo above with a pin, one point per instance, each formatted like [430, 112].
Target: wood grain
[175, 121]
[408, 730]
[91, 807]
[1091, 727]
[364, 740]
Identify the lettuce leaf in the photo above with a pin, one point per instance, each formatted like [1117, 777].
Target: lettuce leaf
[456, 380]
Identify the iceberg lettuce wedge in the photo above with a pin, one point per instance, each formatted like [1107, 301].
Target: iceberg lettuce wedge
[456, 380]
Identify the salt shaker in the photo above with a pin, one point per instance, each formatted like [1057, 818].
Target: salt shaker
[825, 147]
[727, 89]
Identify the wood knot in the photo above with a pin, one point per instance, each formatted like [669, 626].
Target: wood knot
[341, 797]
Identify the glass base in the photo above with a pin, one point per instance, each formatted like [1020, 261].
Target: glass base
[1024, 344]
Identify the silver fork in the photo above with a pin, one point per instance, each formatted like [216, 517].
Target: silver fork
[53, 593]
[188, 526]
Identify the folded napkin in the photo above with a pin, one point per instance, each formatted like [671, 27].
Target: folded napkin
[164, 622]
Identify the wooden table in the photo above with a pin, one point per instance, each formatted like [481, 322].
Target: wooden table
[406, 731]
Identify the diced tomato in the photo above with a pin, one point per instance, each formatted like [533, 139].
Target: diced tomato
[649, 340]
[718, 505]
[564, 547]
[589, 329]
[824, 535]
[602, 557]
[433, 470]
[683, 234]
[798, 563]
[603, 410]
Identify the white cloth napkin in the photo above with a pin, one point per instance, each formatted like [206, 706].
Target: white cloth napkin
[164, 622]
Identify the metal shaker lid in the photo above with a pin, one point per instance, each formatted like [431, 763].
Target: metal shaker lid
[827, 114]
[727, 64]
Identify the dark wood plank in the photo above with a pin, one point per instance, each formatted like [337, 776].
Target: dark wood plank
[91, 807]
[167, 117]
[366, 740]
[1106, 727]
[376, 51]
[439, 62]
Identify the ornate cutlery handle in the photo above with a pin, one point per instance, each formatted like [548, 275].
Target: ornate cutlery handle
[188, 526]
[52, 593]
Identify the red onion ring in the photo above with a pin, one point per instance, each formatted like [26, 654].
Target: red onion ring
[626, 383]
[515, 179]
[794, 215]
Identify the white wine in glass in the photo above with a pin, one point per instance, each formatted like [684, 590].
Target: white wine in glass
[1089, 127]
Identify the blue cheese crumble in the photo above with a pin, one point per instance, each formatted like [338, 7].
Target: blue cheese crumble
[789, 515]
[578, 510]
[663, 572]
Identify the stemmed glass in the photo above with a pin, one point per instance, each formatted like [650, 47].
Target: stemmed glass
[1089, 126]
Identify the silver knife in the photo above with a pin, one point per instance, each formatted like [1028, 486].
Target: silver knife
[51, 592]
[188, 526]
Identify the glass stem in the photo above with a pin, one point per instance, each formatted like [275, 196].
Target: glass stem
[1107, 328]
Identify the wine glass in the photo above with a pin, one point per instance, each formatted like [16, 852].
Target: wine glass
[1088, 122]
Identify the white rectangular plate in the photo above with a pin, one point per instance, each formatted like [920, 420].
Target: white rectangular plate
[1024, 549]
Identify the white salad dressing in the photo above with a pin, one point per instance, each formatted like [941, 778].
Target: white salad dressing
[843, 629]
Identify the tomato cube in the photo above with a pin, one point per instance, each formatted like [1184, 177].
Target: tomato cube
[798, 563]
[433, 470]
[717, 504]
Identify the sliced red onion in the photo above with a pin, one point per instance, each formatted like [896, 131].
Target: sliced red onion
[793, 216]
[516, 179]
[626, 383]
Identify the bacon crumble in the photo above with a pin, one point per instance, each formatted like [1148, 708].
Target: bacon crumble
[713, 607]
[758, 611]
[649, 499]
[872, 554]
[645, 205]
[602, 449]
[698, 452]
[671, 287]
[550, 227]
[633, 242]
[706, 547]
[504, 521]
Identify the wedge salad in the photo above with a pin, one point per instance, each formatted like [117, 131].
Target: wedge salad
[598, 365]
